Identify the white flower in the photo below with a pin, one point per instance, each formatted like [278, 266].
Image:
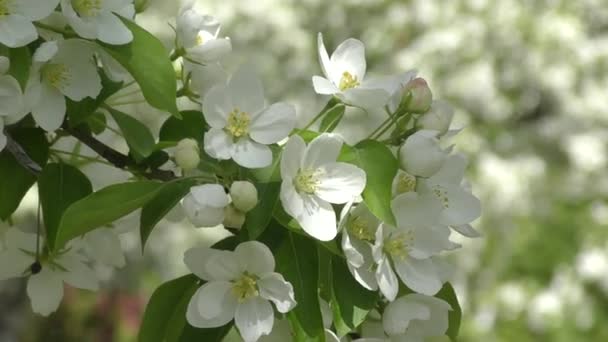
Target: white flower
[11, 99]
[99, 19]
[240, 285]
[103, 245]
[187, 154]
[244, 195]
[205, 77]
[409, 247]
[198, 35]
[312, 179]
[205, 204]
[421, 155]
[420, 96]
[16, 17]
[60, 68]
[241, 124]
[403, 182]
[46, 278]
[344, 76]
[438, 118]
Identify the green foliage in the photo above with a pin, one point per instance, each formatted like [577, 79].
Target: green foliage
[140, 140]
[332, 118]
[21, 60]
[81, 111]
[448, 294]
[147, 61]
[15, 180]
[191, 125]
[60, 185]
[258, 218]
[103, 207]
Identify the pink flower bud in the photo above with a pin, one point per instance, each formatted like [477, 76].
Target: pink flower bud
[420, 95]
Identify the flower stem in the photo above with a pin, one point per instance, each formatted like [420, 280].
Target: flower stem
[330, 104]
[56, 30]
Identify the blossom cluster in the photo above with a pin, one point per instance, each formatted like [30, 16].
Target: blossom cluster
[390, 224]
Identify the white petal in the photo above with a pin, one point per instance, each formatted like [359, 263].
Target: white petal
[104, 245]
[205, 77]
[36, 9]
[84, 27]
[273, 123]
[323, 56]
[365, 275]
[387, 280]
[323, 86]
[85, 80]
[429, 241]
[463, 206]
[211, 51]
[212, 195]
[412, 209]
[2, 135]
[16, 31]
[17, 239]
[419, 275]
[254, 318]
[367, 98]
[211, 298]
[112, 30]
[318, 218]
[421, 154]
[5, 65]
[466, 230]
[218, 144]
[340, 182]
[330, 336]
[13, 263]
[49, 111]
[292, 155]
[438, 322]
[349, 57]
[353, 255]
[216, 106]
[193, 316]
[201, 215]
[274, 288]
[251, 154]
[78, 274]
[46, 51]
[246, 91]
[196, 259]
[452, 170]
[322, 150]
[45, 290]
[398, 314]
[223, 265]
[11, 97]
[255, 257]
[292, 202]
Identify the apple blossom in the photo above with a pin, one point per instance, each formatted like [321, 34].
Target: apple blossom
[239, 285]
[312, 179]
[241, 124]
[198, 34]
[100, 19]
[244, 195]
[187, 154]
[16, 17]
[421, 155]
[419, 94]
[11, 99]
[233, 217]
[103, 245]
[438, 118]
[205, 204]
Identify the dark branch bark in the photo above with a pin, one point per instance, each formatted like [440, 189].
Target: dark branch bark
[21, 156]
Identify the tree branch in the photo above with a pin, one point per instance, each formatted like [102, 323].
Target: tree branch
[21, 156]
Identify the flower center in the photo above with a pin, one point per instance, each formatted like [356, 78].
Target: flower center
[245, 288]
[5, 7]
[348, 81]
[306, 181]
[442, 194]
[238, 123]
[87, 8]
[405, 182]
[398, 245]
[361, 229]
[56, 74]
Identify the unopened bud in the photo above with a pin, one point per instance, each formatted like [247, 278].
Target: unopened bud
[187, 154]
[421, 154]
[244, 195]
[233, 218]
[4, 65]
[438, 118]
[141, 5]
[420, 96]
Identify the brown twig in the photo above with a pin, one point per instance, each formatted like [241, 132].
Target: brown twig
[21, 156]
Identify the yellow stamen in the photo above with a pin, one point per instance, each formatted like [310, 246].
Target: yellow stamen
[405, 182]
[442, 194]
[361, 229]
[87, 8]
[398, 245]
[238, 123]
[56, 75]
[348, 81]
[245, 288]
[306, 181]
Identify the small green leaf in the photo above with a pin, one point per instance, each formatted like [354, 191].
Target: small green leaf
[258, 218]
[60, 185]
[79, 112]
[448, 294]
[297, 261]
[21, 60]
[147, 60]
[380, 166]
[332, 118]
[191, 125]
[97, 123]
[350, 302]
[140, 140]
[103, 207]
[166, 198]
[15, 180]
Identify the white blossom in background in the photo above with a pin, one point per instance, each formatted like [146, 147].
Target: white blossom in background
[241, 124]
[198, 34]
[344, 75]
[421, 155]
[11, 99]
[313, 179]
[204, 205]
[17, 17]
[45, 279]
[103, 245]
[60, 68]
[240, 285]
[100, 19]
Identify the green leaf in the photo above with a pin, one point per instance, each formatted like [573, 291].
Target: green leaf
[164, 200]
[381, 166]
[350, 302]
[297, 261]
[448, 294]
[140, 140]
[147, 60]
[191, 125]
[60, 185]
[97, 122]
[258, 218]
[21, 60]
[272, 172]
[79, 112]
[15, 180]
[103, 207]
[332, 118]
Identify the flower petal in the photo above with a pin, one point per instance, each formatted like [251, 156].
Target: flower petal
[36, 9]
[274, 288]
[273, 123]
[218, 144]
[251, 154]
[212, 264]
[323, 56]
[322, 150]
[211, 299]
[205, 77]
[255, 257]
[317, 218]
[11, 97]
[292, 202]
[104, 245]
[16, 31]
[429, 241]
[398, 314]
[45, 290]
[323, 86]
[46, 51]
[216, 106]
[194, 317]
[349, 57]
[211, 51]
[112, 30]
[419, 275]
[340, 182]
[212, 195]
[254, 318]
[292, 155]
[49, 111]
[13, 263]
[463, 207]
[367, 98]
[86, 28]
[245, 90]
[201, 215]
[466, 230]
[413, 209]
[387, 280]
[78, 274]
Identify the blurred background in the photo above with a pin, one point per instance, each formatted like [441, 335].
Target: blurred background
[529, 82]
